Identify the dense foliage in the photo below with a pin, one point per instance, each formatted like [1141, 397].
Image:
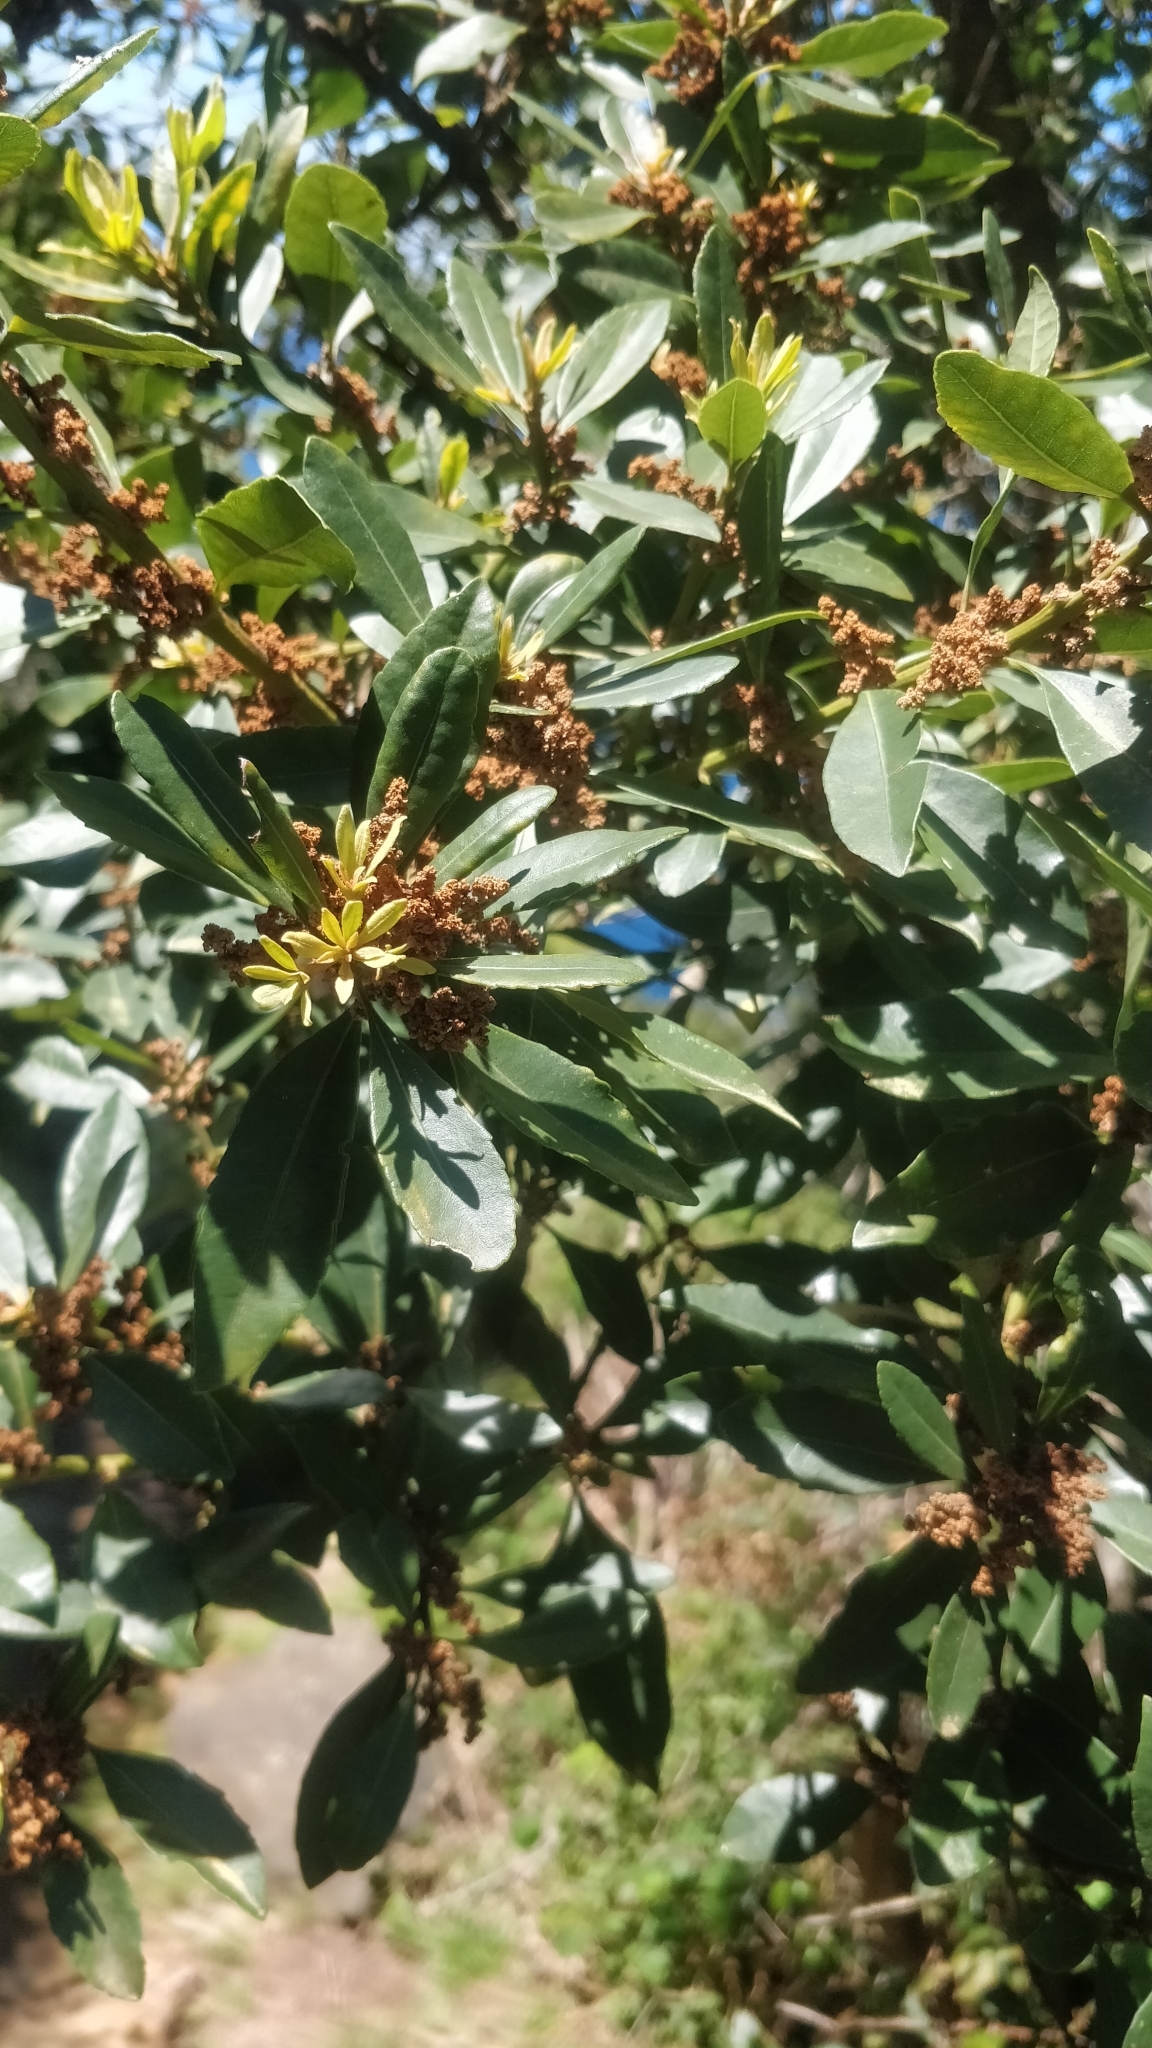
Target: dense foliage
[575, 634]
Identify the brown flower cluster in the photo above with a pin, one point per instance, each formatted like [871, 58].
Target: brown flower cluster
[858, 646]
[684, 372]
[22, 1450]
[767, 716]
[682, 219]
[1115, 1115]
[353, 397]
[552, 749]
[16, 480]
[691, 68]
[165, 596]
[144, 505]
[39, 1765]
[442, 1678]
[672, 481]
[1044, 1503]
[543, 505]
[774, 232]
[1140, 463]
[294, 655]
[64, 429]
[62, 1326]
[133, 1327]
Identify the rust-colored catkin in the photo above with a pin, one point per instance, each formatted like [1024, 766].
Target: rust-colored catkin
[353, 397]
[143, 504]
[443, 1679]
[62, 1325]
[691, 68]
[544, 504]
[681, 218]
[685, 373]
[64, 429]
[293, 655]
[552, 749]
[16, 480]
[23, 1451]
[671, 480]
[858, 645]
[1140, 463]
[39, 1766]
[774, 232]
[133, 1327]
[1116, 1116]
[1041, 1503]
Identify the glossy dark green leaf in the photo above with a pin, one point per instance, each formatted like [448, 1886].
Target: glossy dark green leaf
[268, 1225]
[85, 1668]
[380, 1550]
[986, 1376]
[193, 789]
[91, 1911]
[792, 1817]
[481, 842]
[576, 599]
[278, 848]
[1123, 290]
[354, 507]
[323, 195]
[613, 1296]
[967, 1044]
[177, 1814]
[625, 1703]
[920, 1418]
[129, 818]
[874, 783]
[158, 1417]
[405, 313]
[916, 150]
[959, 1666]
[466, 623]
[559, 868]
[1071, 1786]
[960, 1819]
[840, 561]
[881, 1634]
[867, 49]
[438, 1161]
[572, 1109]
[27, 1572]
[821, 1440]
[358, 1778]
[719, 300]
[983, 1187]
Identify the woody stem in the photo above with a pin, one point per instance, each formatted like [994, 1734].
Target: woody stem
[85, 497]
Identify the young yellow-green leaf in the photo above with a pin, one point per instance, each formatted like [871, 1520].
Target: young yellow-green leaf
[265, 533]
[922, 1420]
[866, 49]
[959, 1667]
[86, 78]
[177, 1814]
[19, 143]
[734, 420]
[324, 196]
[1028, 424]
[1033, 344]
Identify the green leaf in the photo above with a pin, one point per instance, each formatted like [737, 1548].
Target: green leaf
[1126, 1521]
[265, 533]
[881, 1633]
[486, 328]
[1141, 1782]
[1123, 290]
[1001, 847]
[278, 848]
[584, 969]
[719, 301]
[867, 49]
[607, 357]
[1033, 345]
[195, 791]
[27, 1573]
[1031, 771]
[177, 1814]
[1134, 1058]
[358, 1778]
[358, 511]
[438, 1161]
[689, 862]
[431, 530]
[95, 337]
[967, 1044]
[840, 561]
[568, 219]
[613, 1296]
[145, 1579]
[336, 99]
[914, 150]
[1139, 2033]
[86, 78]
[986, 1376]
[463, 45]
[86, 1667]
[268, 1225]
[663, 791]
[481, 842]
[874, 783]
[324, 196]
[960, 1819]
[959, 1666]
[635, 507]
[792, 1817]
[91, 1911]
[998, 271]
[559, 869]
[625, 1703]
[466, 623]
[130, 819]
[570, 1108]
[709, 1066]
[982, 1188]
[157, 1417]
[1114, 872]
[824, 1440]
[381, 1552]
[19, 144]
[1029, 425]
[922, 1420]
[428, 739]
[405, 313]
[573, 1624]
[734, 421]
[102, 1186]
[583, 593]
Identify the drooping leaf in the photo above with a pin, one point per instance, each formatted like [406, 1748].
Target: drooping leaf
[194, 790]
[91, 1911]
[983, 1187]
[358, 1778]
[874, 782]
[268, 1225]
[177, 1814]
[322, 196]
